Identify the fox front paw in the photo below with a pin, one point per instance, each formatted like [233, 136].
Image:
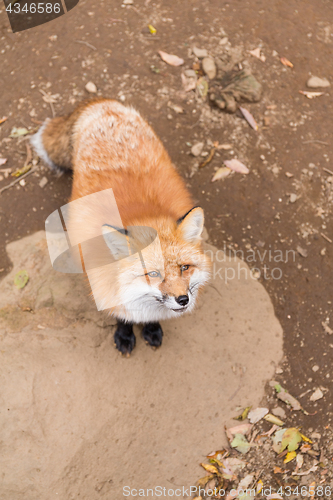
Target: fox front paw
[153, 334]
[124, 339]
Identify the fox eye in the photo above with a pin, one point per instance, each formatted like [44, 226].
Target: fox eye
[154, 274]
[184, 268]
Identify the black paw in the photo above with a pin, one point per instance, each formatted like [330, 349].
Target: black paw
[153, 334]
[124, 338]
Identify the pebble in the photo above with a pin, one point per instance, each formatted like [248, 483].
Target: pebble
[208, 66]
[43, 182]
[197, 148]
[190, 73]
[22, 182]
[315, 82]
[279, 412]
[91, 87]
[128, 2]
[315, 368]
[293, 198]
[199, 53]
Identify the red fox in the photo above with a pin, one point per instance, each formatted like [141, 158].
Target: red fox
[155, 237]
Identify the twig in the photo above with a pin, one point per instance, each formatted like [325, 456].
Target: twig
[86, 43]
[328, 171]
[17, 180]
[50, 103]
[316, 140]
[326, 237]
[209, 158]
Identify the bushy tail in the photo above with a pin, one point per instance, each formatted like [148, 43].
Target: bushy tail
[54, 140]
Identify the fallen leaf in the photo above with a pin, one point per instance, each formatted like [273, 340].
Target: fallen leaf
[277, 440]
[255, 415]
[287, 398]
[221, 173]
[257, 53]
[189, 82]
[306, 439]
[299, 461]
[289, 457]
[208, 159]
[3, 119]
[286, 62]
[236, 166]
[312, 490]
[291, 439]
[3, 161]
[278, 470]
[318, 394]
[201, 483]
[176, 108]
[249, 118]
[210, 468]
[303, 252]
[260, 485]
[272, 419]
[238, 429]
[18, 132]
[21, 171]
[202, 87]
[311, 95]
[21, 279]
[152, 29]
[171, 59]
[240, 443]
[306, 473]
[217, 454]
[245, 412]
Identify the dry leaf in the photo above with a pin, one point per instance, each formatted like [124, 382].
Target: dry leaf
[255, 415]
[249, 118]
[236, 166]
[3, 161]
[152, 29]
[238, 429]
[286, 62]
[240, 443]
[21, 279]
[221, 173]
[3, 119]
[246, 410]
[272, 419]
[257, 53]
[306, 473]
[189, 82]
[287, 398]
[310, 95]
[299, 461]
[18, 132]
[278, 470]
[291, 439]
[201, 483]
[260, 485]
[210, 468]
[318, 394]
[171, 59]
[289, 457]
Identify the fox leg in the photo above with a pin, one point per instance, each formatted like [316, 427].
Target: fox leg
[124, 338]
[152, 334]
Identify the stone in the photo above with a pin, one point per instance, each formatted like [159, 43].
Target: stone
[197, 148]
[74, 411]
[279, 412]
[293, 198]
[315, 82]
[199, 53]
[43, 182]
[91, 88]
[209, 67]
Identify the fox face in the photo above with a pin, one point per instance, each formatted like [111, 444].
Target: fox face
[161, 269]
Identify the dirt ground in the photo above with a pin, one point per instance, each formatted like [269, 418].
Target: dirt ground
[120, 56]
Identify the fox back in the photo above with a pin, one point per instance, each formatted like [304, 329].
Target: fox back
[129, 199]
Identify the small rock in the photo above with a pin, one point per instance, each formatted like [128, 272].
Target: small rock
[315, 82]
[315, 435]
[43, 182]
[91, 87]
[279, 412]
[190, 73]
[315, 368]
[293, 198]
[22, 182]
[196, 149]
[209, 68]
[224, 40]
[128, 2]
[199, 53]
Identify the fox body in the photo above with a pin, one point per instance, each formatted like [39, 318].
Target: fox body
[147, 224]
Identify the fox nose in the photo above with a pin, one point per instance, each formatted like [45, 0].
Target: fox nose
[182, 300]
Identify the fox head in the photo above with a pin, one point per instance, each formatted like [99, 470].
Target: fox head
[160, 267]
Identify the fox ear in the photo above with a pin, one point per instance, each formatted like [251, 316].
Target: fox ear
[191, 225]
[116, 240]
